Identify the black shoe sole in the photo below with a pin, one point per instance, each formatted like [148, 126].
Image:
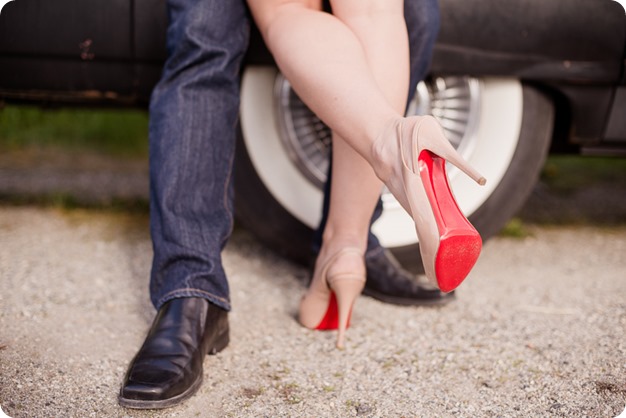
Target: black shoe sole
[164, 403]
[220, 344]
[408, 301]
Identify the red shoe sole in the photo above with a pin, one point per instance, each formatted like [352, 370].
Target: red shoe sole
[331, 318]
[459, 242]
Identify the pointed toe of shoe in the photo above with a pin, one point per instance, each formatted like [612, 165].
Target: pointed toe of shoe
[146, 395]
[141, 392]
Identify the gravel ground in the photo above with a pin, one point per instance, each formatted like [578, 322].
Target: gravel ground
[537, 330]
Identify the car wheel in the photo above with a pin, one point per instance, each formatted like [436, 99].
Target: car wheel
[500, 126]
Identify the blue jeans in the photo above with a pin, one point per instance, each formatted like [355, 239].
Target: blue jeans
[193, 115]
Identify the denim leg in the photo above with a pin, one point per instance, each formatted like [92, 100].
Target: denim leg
[193, 115]
[422, 20]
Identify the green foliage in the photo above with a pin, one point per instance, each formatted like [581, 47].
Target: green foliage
[566, 173]
[111, 131]
[515, 228]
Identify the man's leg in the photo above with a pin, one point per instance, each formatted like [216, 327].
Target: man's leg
[386, 279]
[193, 116]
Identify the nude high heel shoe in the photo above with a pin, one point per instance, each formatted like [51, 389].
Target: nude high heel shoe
[449, 244]
[327, 304]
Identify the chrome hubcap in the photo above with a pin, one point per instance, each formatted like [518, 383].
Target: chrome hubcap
[455, 101]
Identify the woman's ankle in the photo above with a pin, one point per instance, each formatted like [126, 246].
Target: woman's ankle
[334, 241]
[383, 153]
[343, 262]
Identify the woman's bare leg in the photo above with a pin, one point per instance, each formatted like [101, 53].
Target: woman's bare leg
[327, 66]
[339, 80]
[355, 189]
[354, 75]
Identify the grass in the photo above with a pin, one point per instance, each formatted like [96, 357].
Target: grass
[66, 201]
[109, 131]
[515, 228]
[124, 132]
[566, 173]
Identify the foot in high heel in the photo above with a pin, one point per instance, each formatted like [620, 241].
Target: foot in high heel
[327, 304]
[415, 150]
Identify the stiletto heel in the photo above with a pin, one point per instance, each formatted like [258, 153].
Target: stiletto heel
[449, 244]
[428, 135]
[327, 305]
[346, 291]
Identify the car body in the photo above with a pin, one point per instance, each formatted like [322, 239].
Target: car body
[509, 81]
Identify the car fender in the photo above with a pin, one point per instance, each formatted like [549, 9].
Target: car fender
[578, 41]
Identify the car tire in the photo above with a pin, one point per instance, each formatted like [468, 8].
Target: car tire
[504, 130]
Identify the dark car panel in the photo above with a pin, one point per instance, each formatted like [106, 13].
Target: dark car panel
[617, 119]
[58, 28]
[81, 51]
[577, 41]
[150, 22]
[66, 50]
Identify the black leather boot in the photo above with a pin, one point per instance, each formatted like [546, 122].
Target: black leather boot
[168, 367]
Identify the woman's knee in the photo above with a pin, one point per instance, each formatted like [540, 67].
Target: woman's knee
[367, 9]
[265, 12]
[367, 14]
